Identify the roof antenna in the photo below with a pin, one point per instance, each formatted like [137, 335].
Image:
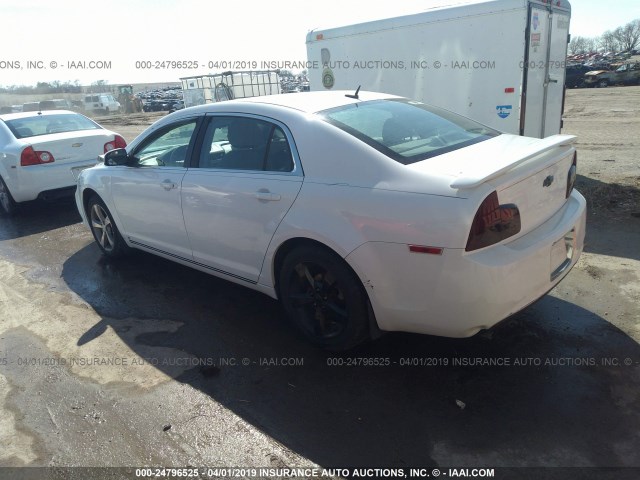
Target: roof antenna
[355, 95]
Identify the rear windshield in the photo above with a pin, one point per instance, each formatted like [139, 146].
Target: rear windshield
[406, 130]
[47, 124]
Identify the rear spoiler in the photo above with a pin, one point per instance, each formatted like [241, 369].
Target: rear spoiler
[474, 179]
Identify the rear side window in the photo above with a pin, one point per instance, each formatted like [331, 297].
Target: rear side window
[48, 124]
[243, 143]
[405, 130]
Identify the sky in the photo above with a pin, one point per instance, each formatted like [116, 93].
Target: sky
[57, 40]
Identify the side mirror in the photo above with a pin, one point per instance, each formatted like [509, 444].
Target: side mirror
[115, 157]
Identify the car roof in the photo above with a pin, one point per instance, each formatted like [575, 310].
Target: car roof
[312, 102]
[308, 102]
[43, 113]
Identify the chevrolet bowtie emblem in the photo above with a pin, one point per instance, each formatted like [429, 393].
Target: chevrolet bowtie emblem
[548, 181]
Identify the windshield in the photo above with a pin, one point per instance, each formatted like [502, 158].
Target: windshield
[406, 130]
[48, 124]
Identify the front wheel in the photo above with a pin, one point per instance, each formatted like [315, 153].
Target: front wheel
[7, 203]
[603, 83]
[323, 298]
[104, 229]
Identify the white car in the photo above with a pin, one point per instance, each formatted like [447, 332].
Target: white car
[361, 212]
[42, 153]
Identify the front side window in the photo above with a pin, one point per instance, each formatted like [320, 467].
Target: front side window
[406, 130]
[167, 148]
[243, 143]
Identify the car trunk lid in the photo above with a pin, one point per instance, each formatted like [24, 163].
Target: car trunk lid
[530, 173]
[81, 146]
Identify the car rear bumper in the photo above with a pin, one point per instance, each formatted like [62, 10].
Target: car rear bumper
[48, 180]
[459, 293]
[58, 193]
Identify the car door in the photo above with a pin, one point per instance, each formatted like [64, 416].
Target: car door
[146, 194]
[246, 177]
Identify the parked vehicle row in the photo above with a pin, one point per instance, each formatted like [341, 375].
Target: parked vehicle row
[627, 74]
[582, 75]
[597, 59]
[55, 104]
[166, 99]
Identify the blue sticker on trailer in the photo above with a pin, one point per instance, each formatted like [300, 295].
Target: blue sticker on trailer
[504, 110]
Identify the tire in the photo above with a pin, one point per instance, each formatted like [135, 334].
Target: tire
[603, 83]
[7, 204]
[104, 230]
[323, 298]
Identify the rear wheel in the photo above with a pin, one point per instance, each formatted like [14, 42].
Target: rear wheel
[104, 229]
[323, 298]
[7, 203]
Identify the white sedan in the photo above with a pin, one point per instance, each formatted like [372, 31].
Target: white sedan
[361, 212]
[42, 153]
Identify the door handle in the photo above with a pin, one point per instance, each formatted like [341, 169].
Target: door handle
[265, 195]
[168, 185]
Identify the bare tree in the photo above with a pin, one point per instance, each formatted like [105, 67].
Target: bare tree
[590, 44]
[577, 45]
[98, 86]
[607, 42]
[629, 35]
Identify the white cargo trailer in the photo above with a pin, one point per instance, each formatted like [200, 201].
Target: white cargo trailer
[218, 87]
[500, 62]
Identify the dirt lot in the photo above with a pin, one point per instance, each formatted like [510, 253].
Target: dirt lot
[147, 363]
[607, 123]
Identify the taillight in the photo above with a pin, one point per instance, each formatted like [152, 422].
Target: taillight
[31, 157]
[493, 223]
[117, 142]
[571, 176]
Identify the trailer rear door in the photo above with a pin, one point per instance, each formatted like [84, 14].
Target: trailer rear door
[547, 36]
